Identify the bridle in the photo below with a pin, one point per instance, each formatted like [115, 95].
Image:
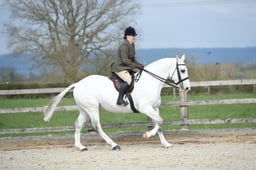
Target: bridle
[173, 84]
[179, 76]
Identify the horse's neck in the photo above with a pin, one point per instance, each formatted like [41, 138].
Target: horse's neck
[160, 68]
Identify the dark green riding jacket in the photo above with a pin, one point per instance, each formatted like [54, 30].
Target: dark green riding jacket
[125, 59]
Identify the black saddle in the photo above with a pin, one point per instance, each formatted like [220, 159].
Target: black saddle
[117, 82]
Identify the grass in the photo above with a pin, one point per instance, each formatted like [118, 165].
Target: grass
[33, 120]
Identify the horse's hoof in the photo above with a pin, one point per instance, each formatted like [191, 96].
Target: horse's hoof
[145, 136]
[168, 145]
[116, 148]
[84, 149]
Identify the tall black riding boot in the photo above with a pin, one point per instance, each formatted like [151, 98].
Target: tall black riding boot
[122, 90]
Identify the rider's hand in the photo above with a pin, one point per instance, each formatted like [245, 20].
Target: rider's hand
[139, 66]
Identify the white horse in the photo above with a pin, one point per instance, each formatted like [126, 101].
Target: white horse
[97, 91]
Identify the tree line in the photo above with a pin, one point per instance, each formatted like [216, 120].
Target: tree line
[62, 35]
[197, 72]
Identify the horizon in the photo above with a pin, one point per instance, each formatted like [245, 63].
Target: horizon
[166, 48]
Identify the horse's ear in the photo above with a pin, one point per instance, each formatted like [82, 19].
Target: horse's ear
[183, 57]
[177, 58]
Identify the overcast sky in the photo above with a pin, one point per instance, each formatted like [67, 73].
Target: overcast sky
[197, 23]
[186, 24]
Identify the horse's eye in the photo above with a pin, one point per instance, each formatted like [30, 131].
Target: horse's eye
[182, 71]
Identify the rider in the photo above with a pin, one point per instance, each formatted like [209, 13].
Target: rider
[125, 63]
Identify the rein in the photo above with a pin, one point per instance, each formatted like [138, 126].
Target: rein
[161, 78]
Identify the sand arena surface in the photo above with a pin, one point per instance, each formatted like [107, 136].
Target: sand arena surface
[229, 152]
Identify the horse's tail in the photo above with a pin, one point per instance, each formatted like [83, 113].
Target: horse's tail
[48, 112]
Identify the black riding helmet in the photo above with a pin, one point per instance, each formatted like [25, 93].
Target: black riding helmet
[129, 31]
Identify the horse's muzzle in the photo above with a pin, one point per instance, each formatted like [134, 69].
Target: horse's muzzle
[187, 89]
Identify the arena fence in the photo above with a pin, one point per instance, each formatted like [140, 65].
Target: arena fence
[184, 122]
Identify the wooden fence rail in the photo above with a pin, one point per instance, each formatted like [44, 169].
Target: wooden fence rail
[126, 125]
[193, 84]
[183, 104]
[223, 83]
[187, 103]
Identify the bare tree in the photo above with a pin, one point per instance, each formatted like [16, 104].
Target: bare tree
[63, 34]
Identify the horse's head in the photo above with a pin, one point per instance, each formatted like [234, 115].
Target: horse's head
[180, 74]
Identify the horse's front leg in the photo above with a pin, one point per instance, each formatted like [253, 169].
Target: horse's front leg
[153, 113]
[162, 139]
[157, 129]
[152, 132]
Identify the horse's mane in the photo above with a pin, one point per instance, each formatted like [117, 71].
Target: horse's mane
[159, 62]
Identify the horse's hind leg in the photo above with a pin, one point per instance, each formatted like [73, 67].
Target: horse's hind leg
[107, 138]
[95, 121]
[78, 127]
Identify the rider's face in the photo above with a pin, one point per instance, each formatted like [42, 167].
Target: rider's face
[130, 38]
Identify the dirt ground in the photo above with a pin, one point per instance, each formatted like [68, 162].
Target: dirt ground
[188, 152]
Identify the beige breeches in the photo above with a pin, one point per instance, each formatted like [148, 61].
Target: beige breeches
[125, 75]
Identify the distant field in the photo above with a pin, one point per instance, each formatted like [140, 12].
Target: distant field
[32, 120]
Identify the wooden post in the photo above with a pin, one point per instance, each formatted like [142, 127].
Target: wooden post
[183, 112]
[209, 90]
[150, 127]
[174, 92]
